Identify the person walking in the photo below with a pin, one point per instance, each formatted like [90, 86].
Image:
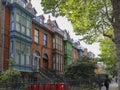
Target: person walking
[106, 82]
[99, 82]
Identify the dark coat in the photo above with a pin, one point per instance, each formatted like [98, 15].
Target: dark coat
[106, 82]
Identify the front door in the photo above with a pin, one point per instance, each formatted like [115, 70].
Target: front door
[45, 63]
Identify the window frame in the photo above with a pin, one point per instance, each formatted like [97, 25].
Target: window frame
[17, 24]
[22, 60]
[36, 36]
[45, 39]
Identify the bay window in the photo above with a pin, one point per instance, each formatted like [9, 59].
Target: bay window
[57, 62]
[22, 53]
[58, 43]
[17, 52]
[21, 22]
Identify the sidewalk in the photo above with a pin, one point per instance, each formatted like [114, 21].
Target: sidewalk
[113, 86]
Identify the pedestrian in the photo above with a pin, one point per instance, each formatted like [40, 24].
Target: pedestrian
[99, 82]
[116, 79]
[106, 82]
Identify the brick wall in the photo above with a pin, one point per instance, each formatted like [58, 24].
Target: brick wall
[75, 54]
[39, 47]
[6, 38]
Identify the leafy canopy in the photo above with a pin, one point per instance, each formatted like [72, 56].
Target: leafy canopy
[90, 18]
[108, 54]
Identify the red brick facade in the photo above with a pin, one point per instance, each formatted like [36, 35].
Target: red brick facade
[6, 38]
[75, 54]
[40, 46]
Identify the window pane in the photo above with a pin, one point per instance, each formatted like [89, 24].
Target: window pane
[36, 36]
[36, 63]
[36, 32]
[45, 39]
[36, 39]
[17, 52]
[12, 26]
[18, 27]
[28, 32]
[54, 43]
[12, 16]
[23, 29]
[18, 18]
[22, 59]
[17, 47]
[23, 48]
[11, 49]
[17, 58]
[28, 28]
[27, 50]
[28, 24]
[27, 60]
[23, 21]
[11, 46]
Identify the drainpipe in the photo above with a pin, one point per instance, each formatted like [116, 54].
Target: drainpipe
[3, 28]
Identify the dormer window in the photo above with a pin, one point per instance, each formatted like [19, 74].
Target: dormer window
[40, 19]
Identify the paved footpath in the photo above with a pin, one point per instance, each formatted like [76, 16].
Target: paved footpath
[113, 86]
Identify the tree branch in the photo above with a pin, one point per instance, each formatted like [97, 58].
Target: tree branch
[106, 8]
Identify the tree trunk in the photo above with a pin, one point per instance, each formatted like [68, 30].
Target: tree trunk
[116, 26]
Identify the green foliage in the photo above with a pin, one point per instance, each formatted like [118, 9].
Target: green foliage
[108, 54]
[10, 75]
[11, 62]
[90, 18]
[83, 68]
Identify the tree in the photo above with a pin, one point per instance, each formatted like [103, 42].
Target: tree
[82, 70]
[11, 74]
[108, 54]
[90, 18]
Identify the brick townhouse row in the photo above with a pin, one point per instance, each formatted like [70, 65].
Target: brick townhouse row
[31, 43]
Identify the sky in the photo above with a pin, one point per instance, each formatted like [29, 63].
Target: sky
[63, 23]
